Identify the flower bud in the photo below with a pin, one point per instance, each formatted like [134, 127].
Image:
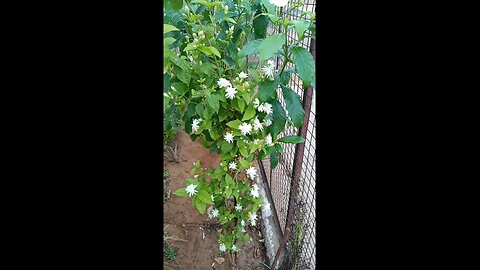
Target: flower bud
[225, 9]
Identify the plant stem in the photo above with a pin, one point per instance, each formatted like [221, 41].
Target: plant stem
[209, 43]
[285, 50]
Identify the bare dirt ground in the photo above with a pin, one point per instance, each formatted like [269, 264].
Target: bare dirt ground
[183, 221]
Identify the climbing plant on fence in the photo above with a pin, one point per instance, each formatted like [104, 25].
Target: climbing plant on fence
[230, 105]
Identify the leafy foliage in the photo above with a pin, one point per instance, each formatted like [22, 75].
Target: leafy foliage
[232, 107]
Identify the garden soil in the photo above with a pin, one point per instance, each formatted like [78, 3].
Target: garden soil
[196, 243]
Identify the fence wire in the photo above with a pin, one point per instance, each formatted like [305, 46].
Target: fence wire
[280, 178]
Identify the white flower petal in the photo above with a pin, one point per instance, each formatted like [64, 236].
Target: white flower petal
[245, 128]
[223, 83]
[190, 189]
[229, 137]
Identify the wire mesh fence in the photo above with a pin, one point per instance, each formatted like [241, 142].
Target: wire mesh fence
[301, 243]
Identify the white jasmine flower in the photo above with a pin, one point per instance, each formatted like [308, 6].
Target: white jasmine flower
[195, 125]
[257, 125]
[243, 75]
[222, 248]
[266, 205]
[215, 213]
[232, 165]
[267, 122]
[251, 172]
[234, 248]
[209, 211]
[268, 140]
[279, 3]
[229, 137]
[190, 189]
[245, 128]
[253, 218]
[242, 223]
[230, 92]
[238, 207]
[213, 198]
[254, 193]
[224, 83]
[268, 70]
[256, 103]
[266, 108]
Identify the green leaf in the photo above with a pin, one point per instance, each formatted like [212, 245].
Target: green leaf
[207, 50]
[229, 180]
[204, 197]
[250, 48]
[241, 104]
[230, 20]
[244, 164]
[199, 109]
[180, 193]
[215, 51]
[292, 139]
[189, 47]
[234, 124]
[294, 106]
[275, 19]
[204, 49]
[206, 124]
[246, 96]
[285, 77]
[176, 4]
[226, 147]
[207, 113]
[266, 88]
[236, 35]
[182, 74]
[270, 46]
[300, 27]
[222, 115]
[214, 133]
[269, 6]
[243, 151]
[228, 191]
[304, 63]
[249, 113]
[279, 148]
[279, 118]
[201, 2]
[260, 26]
[167, 41]
[168, 28]
[208, 68]
[200, 205]
[212, 100]
[273, 159]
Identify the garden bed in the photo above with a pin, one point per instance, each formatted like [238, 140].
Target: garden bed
[193, 237]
